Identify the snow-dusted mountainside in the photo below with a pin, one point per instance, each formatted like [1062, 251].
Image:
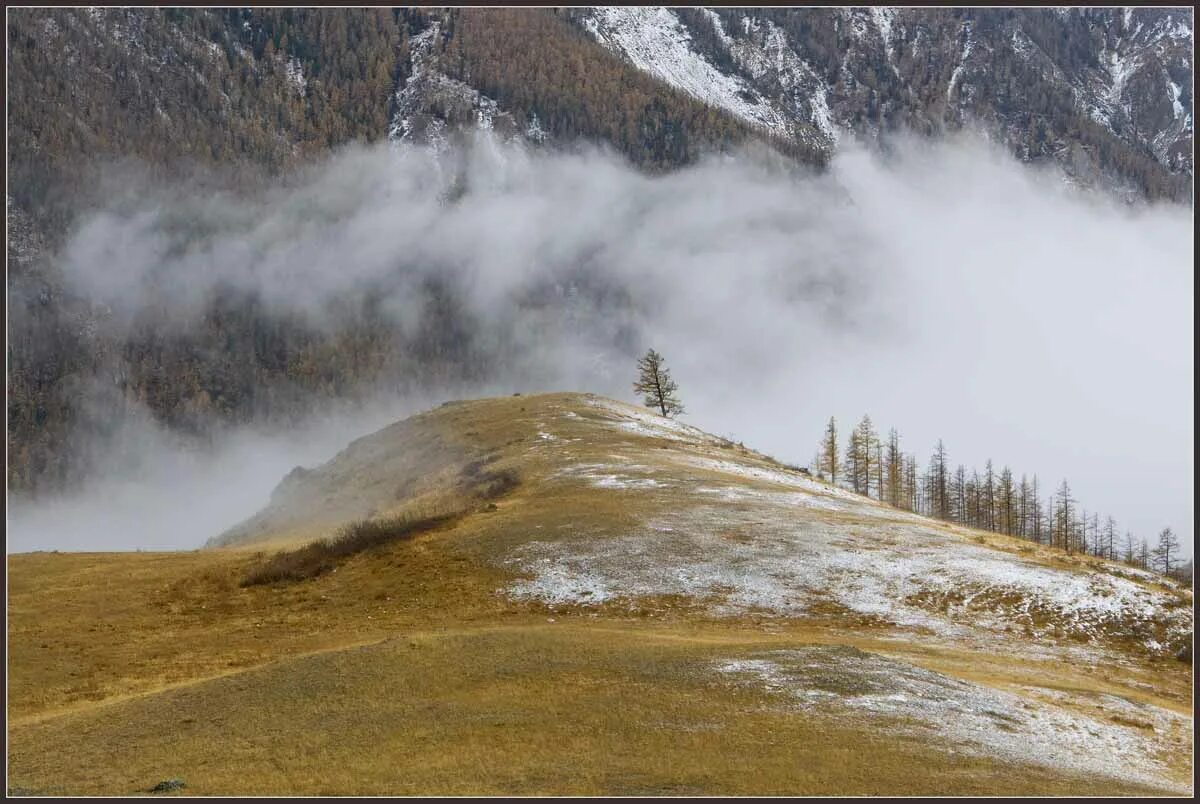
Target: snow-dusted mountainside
[247, 93]
[1106, 93]
[1023, 75]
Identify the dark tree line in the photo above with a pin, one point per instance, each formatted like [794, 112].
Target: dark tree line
[993, 500]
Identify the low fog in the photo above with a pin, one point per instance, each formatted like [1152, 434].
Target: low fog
[944, 289]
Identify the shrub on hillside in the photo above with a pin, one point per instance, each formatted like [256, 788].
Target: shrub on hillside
[489, 484]
[322, 556]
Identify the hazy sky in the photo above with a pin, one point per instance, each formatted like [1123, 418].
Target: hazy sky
[949, 292]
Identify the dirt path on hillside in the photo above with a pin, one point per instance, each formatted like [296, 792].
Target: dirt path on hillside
[962, 664]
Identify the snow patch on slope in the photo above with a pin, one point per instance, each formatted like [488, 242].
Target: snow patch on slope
[1120, 69]
[655, 41]
[643, 422]
[426, 81]
[1177, 109]
[776, 542]
[763, 52]
[607, 476]
[884, 17]
[968, 44]
[849, 684]
[295, 76]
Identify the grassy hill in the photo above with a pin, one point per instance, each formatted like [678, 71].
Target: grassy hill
[563, 594]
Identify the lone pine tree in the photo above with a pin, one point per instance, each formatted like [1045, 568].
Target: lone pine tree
[655, 384]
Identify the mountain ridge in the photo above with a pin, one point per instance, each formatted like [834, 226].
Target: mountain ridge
[568, 447]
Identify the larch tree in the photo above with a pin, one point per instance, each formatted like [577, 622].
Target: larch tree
[1004, 505]
[1165, 551]
[971, 499]
[1035, 510]
[860, 454]
[958, 495]
[1023, 508]
[911, 493]
[1110, 538]
[656, 386]
[879, 487]
[939, 492]
[1049, 518]
[895, 469]
[915, 494]
[1064, 517]
[851, 463]
[989, 496]
[1096, 541]
[829, 451]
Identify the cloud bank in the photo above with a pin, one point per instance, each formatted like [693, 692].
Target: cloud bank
[945, 289]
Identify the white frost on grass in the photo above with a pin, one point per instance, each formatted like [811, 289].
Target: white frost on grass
[646, 423]
[559, 584]
[741, 471]
[737, 534]
[604, 476]
[849, 684]
[620, 482]
[739, 494]
[771, 555]
[748, 471]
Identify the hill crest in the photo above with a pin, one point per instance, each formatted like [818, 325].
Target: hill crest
[677, 612]
[614, 504]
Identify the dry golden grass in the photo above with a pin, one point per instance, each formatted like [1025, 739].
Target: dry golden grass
[524, 709]
[402, 670]
[400, 673]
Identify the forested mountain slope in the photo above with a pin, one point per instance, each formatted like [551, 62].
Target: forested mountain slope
[1104, 89]
[103, 102]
